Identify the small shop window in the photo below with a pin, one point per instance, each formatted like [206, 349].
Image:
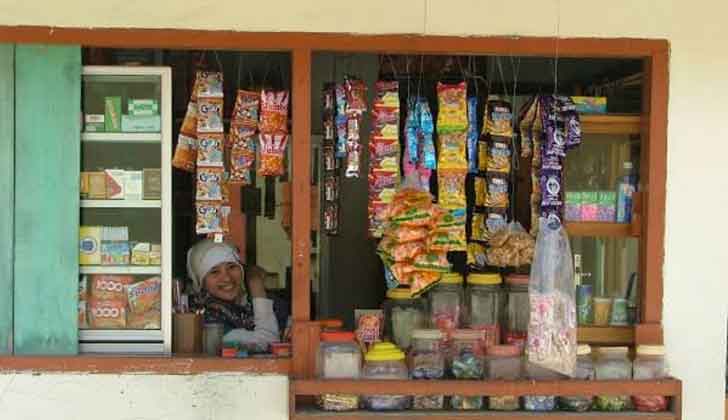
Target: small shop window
[160, 174]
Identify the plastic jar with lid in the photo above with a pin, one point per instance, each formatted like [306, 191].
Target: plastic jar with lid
[584, 371]
[612, 363]
[427, 361]
[446, 303]
[650, 364]
[504, 362]
[518, 309]
[539, 402]
[484, 299]
[467, 362]
[403, 314]
[385, 361]
[339, 357]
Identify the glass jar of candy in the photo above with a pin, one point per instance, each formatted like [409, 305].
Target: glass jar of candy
[650, 364]
[612, 363]
[467, 362]
[385, 361]
[540, 402]
[484, 299]
[339, 357]
[427, 361]
[503, 362]
[518, 309]
[446, 303]
[584, 371]
[403, 314]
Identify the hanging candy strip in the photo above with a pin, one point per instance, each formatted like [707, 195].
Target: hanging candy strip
[332, 181]
[355, 91]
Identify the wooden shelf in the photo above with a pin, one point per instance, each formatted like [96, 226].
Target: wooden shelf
[625, 124]
[122, 137]
[601, 229]
[107, 204]
[120, 269]
[606, 335]
[311, 413]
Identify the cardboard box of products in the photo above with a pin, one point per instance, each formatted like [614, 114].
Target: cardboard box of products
[152, 189]
[187, 333]
[90, 245]
[140, 253]
[115, 181]
[155, 255]
[143, 107]
[94, 123]
[84, 187]
[112, 114]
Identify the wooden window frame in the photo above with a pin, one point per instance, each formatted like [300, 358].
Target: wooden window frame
[651, 218]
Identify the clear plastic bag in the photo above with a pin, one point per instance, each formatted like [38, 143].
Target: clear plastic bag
[552, 321]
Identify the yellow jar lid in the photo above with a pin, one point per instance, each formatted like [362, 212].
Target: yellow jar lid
[485, 279]
[645, 350]
[384, 352]
[583, 350]
[451, 278]
[399, 293]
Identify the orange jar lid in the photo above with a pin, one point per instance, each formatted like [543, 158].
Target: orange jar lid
[504, 350]
[337, 336]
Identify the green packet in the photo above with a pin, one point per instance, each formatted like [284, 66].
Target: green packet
[573, 197]
[589, 197]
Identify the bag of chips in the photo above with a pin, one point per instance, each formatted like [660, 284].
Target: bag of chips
[452, 151]
[185, 154]
[451, 188]
[272, 154]
[210, 149]
[452, 113]
[245, 112]
[432, 261]
[208, 84]
[209, 115]
[208, 184]
[274, 111]
[208, 218]
[498, 117]
[356, 96]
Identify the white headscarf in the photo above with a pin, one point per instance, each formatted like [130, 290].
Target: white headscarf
[205, 255]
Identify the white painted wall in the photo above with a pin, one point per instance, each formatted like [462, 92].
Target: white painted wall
[695, 289]
[143, 397]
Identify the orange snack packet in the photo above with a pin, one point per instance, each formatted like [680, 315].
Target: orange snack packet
[107, 314]
[145, 295]
[109, 287]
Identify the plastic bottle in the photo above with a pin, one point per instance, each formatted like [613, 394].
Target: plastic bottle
[626, 186]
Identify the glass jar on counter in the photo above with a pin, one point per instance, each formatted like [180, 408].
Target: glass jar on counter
[503, 362]
[650, 364]
[484, 299]
[385, 361]
[584, 371]
[446, 303]
[467, 362]
[518, 309]
[427, 361]
[540, 402]
[339, 357]
[612, 363]
[403, 314]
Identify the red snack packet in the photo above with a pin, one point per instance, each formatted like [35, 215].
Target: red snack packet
[245, 112]
[272, 154]
[274, 111]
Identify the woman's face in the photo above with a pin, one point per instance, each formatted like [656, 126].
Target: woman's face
[223, 281]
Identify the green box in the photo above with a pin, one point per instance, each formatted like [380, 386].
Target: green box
[94, 123]
[143, 107]
[112, 114]
[590, 197]
[143, 124]
[607, 198]
[573, 197]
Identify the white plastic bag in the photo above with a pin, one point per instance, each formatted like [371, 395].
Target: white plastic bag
[551, 290]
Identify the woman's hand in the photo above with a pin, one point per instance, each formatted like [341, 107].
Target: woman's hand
[255, 279]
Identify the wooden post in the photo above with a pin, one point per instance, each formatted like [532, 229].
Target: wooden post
[7, 193]
[47, 162]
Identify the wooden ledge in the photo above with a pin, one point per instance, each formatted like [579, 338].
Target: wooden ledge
[174, 365]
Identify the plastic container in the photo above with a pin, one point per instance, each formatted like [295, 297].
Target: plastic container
[504, 362]
[427, 361]
[467, 361]
[650, 364]
[403, 314]
[612, 363]
[584, 371]
[385, 361]
[339, 357]
[484, 300]
[518, 309]
[446, 303]
[540, 402]
[626, 187]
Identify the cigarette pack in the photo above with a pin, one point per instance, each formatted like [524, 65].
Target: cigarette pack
[143, 107]
[115, 180]
[94, 123]
[152, 184]
[133, 185]
[141, 123]
[84, 187]
[96, 185]
[90, 245]
[112, 113]
[155, 255]
[140, 253]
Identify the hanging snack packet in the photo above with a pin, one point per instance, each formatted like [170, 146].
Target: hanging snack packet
[494, 222]
[433, 261]
[189, 123]
[210, 149]
[476, 256]
[208, 184]
[479, 187]
[478, 231]
[208, 85]
[497, 192]
[209, 115]
[242, 154]
[272, 154]
[382, 185]
[245, 112]
[411, 132]
[145, 295]
[453, 151]
[185, 154]
[404, 234]
[341, 120]
[473, 135]
[331, 218]
[208, 217]
[499, 157]
[451, 188]
[422, 281]
[331, 187]
[426, 147]
[499, 117]
[387, 94]
[356, 96]
[452, 110]
[274, 111]
[550, 183]
[483, 154]
[353, 158]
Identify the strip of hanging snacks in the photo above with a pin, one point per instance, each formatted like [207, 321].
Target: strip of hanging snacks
[384, 154]
[332, 180]
[550, 127]
[273, 132]
[355, 105]
[491, 181]
[243, 129]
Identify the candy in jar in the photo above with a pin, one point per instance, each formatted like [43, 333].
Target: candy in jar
[517, 310]
[650, 364]
[503, 362]
[612, 363]
[446, 302]
[403, 314]
[467, 354]
[427, 361]
[584, 371]
[339, 357]
[484, 301]
[540, 402]
[385, 361]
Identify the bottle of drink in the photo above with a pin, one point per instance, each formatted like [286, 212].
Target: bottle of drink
[626, 186]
